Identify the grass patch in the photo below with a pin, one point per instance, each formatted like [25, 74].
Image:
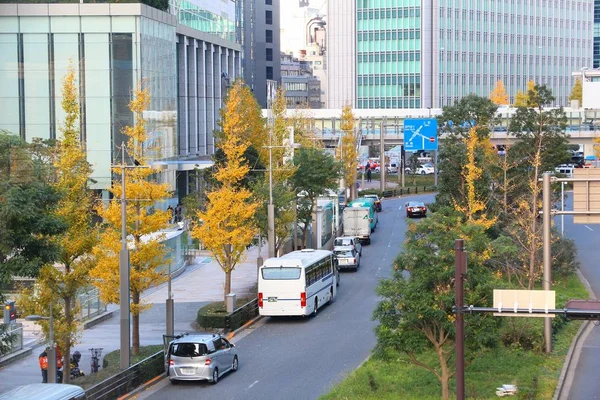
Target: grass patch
[111, 365]
[535, 374]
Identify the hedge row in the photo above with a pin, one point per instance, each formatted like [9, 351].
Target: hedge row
[215, 316]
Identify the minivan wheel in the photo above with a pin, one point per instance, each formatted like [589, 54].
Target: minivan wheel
[234, 367]
[174, 381]
[215, 376]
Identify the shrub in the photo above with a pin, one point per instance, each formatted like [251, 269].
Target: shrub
[215, 316]
[522, 333]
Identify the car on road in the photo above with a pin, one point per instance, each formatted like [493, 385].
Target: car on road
[377, 201]
[200, 357]
[415, 208]
[426, 169]
[343, 241]
[347, 257]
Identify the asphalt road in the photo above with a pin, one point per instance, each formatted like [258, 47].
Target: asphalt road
[302, 358]
[586, 385]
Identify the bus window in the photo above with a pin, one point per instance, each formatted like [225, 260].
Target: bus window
[281, 273]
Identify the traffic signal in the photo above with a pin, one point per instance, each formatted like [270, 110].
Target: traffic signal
[10, 312]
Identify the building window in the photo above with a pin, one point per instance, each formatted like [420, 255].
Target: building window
[269, 72]
[270, 2]
[269, 36]
[269, 54]
[269, 17]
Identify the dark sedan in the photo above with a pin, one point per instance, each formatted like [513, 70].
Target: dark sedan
[415, 208]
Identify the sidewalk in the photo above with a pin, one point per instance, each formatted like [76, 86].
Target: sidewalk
[201, 283]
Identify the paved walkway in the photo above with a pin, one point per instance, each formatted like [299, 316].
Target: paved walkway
[201, 283]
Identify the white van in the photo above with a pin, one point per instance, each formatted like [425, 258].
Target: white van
[45, 391]
[565, 169]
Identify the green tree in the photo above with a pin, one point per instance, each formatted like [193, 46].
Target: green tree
[58, 287]
[541, 145]
[317, 172]
[469, 112]
[228, 224]
[413, 164]
[147, 253]
[577, 91]
[415, 314]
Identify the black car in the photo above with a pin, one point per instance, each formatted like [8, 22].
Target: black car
[415, 208]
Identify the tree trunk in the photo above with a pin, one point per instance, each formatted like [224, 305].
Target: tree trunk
[227, 284]
[135, 317]
[67, 350]
[445, 374]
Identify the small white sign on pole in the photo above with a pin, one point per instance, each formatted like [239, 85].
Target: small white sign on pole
[509, 301]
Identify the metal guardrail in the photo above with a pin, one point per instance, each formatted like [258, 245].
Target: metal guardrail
[16, 331]
[90, 305]
[126, 381]
[240, 316]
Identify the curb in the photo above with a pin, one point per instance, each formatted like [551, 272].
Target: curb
[98, 319]
[140, 389]
[243, 327]
[565, 380]
[17, 355]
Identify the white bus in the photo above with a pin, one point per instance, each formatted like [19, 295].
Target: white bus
[297, 283]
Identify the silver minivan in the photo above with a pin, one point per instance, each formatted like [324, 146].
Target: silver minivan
[200, 357]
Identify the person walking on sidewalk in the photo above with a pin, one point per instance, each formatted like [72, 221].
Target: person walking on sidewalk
[43, 359]
[369, 175]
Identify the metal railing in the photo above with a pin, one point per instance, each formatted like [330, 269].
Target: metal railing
[90, 304]
[242, 315]
[129, 379]
[16, 331]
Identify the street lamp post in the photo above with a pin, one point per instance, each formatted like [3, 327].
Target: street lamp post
[124, 267]
[51, 353]
[271, 206]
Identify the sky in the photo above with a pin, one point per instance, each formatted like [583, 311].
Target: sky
[292, 23]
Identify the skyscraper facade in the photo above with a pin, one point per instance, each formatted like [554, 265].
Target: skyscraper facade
[596, 61]
[429, 53]
[261, 44]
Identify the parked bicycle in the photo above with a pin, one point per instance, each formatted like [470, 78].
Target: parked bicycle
[95, 363]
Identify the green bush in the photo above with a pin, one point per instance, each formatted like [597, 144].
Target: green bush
[522, 334]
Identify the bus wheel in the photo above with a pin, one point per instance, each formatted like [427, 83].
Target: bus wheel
[316, 307]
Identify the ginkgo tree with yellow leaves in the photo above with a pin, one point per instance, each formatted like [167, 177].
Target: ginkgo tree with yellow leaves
[499, 95]
[147, 254]
[228, 224]
[347, 152]
[57, 288]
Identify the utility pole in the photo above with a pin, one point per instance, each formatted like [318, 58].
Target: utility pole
[382, 157]
[546, 281]
[460, 269]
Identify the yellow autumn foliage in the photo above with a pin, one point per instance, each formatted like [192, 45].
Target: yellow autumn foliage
[348, 153]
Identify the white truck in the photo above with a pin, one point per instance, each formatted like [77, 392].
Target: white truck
[357, 223]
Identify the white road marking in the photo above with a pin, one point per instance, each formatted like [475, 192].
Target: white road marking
[589, 228]
[250, 387]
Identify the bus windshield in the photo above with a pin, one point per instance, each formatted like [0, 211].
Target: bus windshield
[280, 273]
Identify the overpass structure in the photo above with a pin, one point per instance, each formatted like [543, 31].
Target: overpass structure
[583, 125]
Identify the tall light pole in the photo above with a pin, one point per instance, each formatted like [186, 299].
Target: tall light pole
[51, 353]
[124, 278]
[271, 206]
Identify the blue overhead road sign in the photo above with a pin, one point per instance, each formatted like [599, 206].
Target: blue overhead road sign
[420, 134]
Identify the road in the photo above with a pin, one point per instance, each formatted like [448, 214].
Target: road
[585, 384]
[302, 358]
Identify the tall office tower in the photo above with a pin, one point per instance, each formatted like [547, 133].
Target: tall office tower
[429, 53]
[261, 44]
[596, 60]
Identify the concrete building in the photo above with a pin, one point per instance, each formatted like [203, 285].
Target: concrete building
[302, 89]
[261, 44]
[113, 47]
[429, 53]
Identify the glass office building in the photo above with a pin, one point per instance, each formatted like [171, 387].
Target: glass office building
[429, 53]
[214, 17]
[113, 47]
[596, 60]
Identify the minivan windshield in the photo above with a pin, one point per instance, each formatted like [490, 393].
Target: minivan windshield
[343, 242]
[188, 349]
